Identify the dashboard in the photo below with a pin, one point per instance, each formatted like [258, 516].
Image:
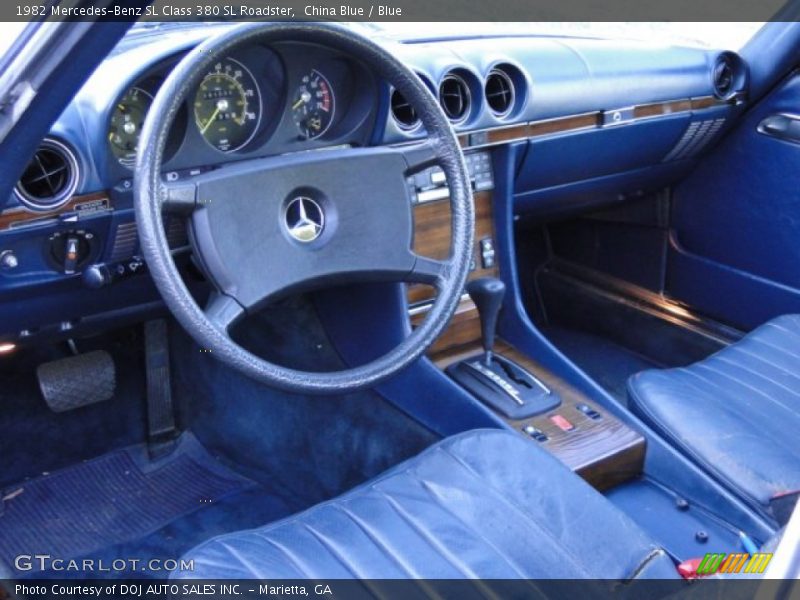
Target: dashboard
[599, 120]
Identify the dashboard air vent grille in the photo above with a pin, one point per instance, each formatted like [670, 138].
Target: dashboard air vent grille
[125, 242]
[126, 239]
[499, 91]
[403, 112]
[454, 97]
[50, 178]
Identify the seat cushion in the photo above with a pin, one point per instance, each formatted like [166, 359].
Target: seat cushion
[736, 413]
[484, 504]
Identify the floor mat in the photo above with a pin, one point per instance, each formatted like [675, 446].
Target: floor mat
[118, 497]
[606, 362]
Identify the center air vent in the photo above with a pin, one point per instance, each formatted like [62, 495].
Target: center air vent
[50, 178]
[403, 112]
[455, 98]
[499, 92]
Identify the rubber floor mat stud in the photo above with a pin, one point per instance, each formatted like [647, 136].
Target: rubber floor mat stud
[76, 381]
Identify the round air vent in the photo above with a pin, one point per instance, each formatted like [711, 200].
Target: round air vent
[499, 92]
[50, 178]
[723, 78]
[729, 75]
[455, 97]
[403, 113]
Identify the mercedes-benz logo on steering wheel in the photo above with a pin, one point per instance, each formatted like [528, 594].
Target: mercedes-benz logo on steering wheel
[304, 219]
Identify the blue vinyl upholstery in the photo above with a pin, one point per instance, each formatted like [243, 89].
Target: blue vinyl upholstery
[736, 413]
[483, 504]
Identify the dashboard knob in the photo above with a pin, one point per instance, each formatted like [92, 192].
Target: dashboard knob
[8, 260]
[70, 250]
[96, 276]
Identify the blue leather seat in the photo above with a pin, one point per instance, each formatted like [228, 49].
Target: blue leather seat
[484, 504]
[736, 413]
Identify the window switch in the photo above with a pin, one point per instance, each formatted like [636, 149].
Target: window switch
[487, 253]
[535, 433]
[589, 411]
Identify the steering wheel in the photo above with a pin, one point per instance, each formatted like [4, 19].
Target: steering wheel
[269, 227]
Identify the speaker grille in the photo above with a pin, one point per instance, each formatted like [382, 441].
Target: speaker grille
[698, 135]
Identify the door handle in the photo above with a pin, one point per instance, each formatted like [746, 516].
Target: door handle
[781, 126]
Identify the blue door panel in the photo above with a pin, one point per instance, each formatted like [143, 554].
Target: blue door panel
[736, 220]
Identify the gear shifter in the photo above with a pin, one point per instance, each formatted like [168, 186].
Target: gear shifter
[496, 380]
[487, 294]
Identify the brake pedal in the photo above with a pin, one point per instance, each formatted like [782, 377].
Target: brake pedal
[76, 381]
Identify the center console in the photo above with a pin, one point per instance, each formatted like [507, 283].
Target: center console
[529, 398]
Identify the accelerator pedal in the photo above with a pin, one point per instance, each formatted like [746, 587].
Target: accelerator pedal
[76, 381]
[162, 432]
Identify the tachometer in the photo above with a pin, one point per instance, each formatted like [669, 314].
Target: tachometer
[313, 105]
[227, 106]
[126, 124]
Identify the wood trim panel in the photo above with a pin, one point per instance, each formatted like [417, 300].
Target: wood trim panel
[533, 129]
[563, 124]
[464, 329]
[658, 109]
[605, 452]
[501, 135]
[432, 237]
[507, 134]
[709, 102]
[17, 216]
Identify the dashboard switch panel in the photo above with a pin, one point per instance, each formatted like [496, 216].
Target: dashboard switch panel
[431, 184]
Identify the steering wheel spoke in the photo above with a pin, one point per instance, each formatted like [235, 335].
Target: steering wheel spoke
[421, 155]
[223, 311]
[429, 271]
[178, 197]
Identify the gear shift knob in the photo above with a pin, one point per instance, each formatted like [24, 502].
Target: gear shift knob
[487, 294]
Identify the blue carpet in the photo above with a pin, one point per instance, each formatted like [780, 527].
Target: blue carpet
[115, 498]
[606, 362]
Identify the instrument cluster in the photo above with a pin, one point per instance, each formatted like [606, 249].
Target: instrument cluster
[257, 101]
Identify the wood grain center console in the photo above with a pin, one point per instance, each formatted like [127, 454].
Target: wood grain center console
[587, 438]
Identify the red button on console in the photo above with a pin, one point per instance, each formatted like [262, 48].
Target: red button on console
[562, 423]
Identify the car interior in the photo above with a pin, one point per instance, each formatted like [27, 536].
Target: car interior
[307, 300]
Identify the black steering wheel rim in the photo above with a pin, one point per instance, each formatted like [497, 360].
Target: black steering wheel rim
[152, 196]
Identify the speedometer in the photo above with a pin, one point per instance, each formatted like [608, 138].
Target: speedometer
[313, 105]
[227, 106]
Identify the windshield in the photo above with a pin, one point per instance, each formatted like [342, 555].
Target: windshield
[730, 36]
